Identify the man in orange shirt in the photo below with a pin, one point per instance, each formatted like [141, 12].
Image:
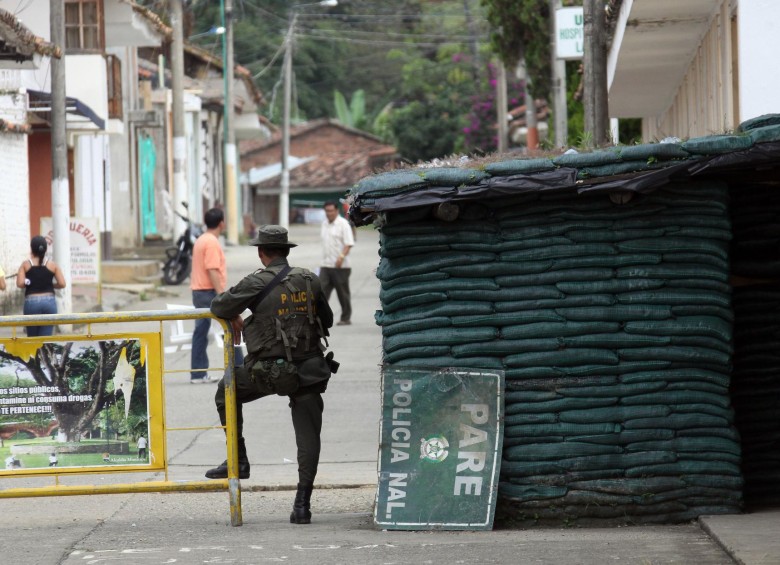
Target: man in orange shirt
[208, 278]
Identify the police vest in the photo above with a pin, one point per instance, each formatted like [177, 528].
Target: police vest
[285, 323]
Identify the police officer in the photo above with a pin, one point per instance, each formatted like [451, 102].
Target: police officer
[290, 318]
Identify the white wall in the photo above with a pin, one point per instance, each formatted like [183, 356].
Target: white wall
[758, 25]
[14, 189]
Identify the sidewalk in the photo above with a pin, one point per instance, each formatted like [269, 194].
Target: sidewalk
[188, 528]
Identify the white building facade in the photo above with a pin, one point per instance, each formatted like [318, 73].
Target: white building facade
[695, 67]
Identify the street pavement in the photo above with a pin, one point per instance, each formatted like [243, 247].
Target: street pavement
[191, 528]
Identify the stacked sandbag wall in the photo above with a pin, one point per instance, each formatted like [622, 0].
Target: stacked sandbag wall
[613, 324]
[755, 385]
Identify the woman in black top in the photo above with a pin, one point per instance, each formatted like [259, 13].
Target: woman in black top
[39, 277]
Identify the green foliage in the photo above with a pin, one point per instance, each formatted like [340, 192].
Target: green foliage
[426, 130]
[521, 29]
[354, 114]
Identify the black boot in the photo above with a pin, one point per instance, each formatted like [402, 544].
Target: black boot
[221, 472]
[301, 513]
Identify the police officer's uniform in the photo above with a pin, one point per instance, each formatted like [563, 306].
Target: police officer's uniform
[287, 325]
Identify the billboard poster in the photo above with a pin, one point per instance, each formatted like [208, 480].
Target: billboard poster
[441, 436]
[89, 403]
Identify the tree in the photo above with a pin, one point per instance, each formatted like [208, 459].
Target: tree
[86, 372]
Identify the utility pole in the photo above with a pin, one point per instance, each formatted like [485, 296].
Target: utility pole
[560, 111]
[595, 68]
[501, 106]
[60, 188]
[284, 188]
[232, 216]
[180, 192]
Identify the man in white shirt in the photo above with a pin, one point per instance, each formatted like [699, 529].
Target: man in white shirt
[337, 241]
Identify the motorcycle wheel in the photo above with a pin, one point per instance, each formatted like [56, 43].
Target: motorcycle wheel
[176, 269]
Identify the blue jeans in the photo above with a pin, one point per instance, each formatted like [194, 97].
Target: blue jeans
[43, 304]
[200, 337]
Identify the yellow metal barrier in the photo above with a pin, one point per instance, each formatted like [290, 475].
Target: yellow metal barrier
[107, 351]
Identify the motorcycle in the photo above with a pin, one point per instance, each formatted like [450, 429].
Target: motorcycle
[179, 263]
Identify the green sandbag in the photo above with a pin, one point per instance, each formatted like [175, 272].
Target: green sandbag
[451, 176]
[673, 353]
[422, 248]
[511, 294]
[557, 329]
[521, 419]
[615, 340]
[619, 369]
[700, 284]
[431, 227]
[613, 390]
[559, 404]
[672, 271]
[531, 232]
[519, 167]
[714, 481]
[572, 276]
[409, 301]
[765, 134]
[578, 160]
[389, 183]
[680, 244]
[647, 485]
[529, 373]
[709, 326]
[448, 308]
[542, 451]
[446, 362]
[416, 352]
[653, 151]
[388, 296]
[681, 310]
[422, 277]
[564, 358]
[675, 297]
[417, 264]
[497, 269]
[609, 286]
[624, 438]
[522, 393]
[614, 261]
[600, 235]
[436, 237]
[621, 313]
[503, 347]
[679, 397]
[759, 122]
[524, 493]
[709, 446]
[683, 467]
[683, 375]
[674, 421]
[508, 244]
[416, 325]
[605, 300]
[717, 144]
[616, 169]
[659, 220]
[503, 319]
[616, 414]
[559, 428]
[443, 336]
[560, 252]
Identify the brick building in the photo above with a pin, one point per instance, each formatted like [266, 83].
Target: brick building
[326, 159]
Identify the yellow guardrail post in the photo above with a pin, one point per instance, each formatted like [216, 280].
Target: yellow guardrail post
[231, 484]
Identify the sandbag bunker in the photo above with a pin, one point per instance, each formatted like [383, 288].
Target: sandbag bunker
[602, 285]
